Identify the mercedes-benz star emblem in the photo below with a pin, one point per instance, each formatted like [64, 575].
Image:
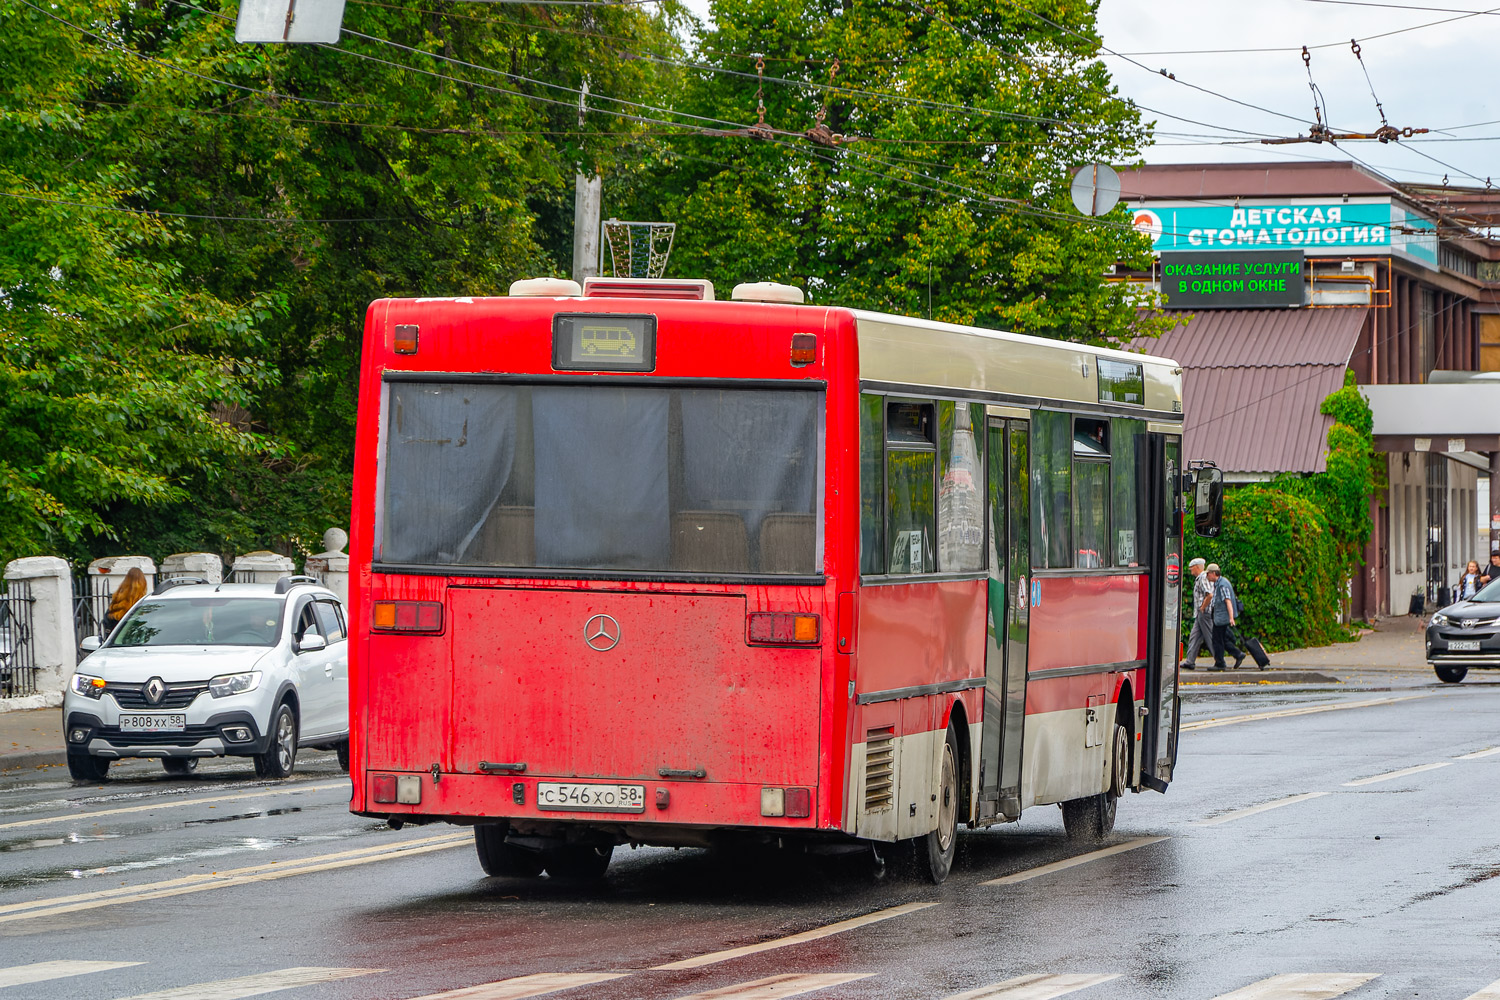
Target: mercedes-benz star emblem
[154, 689]
[601, 633]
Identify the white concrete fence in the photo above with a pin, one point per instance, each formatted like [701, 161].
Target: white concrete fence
[63, 611]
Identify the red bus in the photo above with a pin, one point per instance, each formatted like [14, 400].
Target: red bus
[638, 566]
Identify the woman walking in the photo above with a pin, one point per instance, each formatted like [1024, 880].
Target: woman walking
[1468, 584]
[130, 590]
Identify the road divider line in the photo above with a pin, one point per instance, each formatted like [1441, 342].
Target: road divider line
[714, 957]
[1475, 756]
[1082, 859]
[173, 804]
[521, 987]
[1492, 991]
[203, 884]
[1039, 987]
[1230, 720]
[1390, 775]
[251, 986]
[1302, 986]
[41, 972]
[1230, 817]
[778, 987]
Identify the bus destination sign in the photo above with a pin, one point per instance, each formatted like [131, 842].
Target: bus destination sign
[599, 342]
[1232, 279]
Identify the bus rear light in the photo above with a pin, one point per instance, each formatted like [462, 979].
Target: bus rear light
[384, 787]
[695, 289]
[773, 802]
[804, 349]
[798, 803]
[783, 628]
[405, 339]
[407, 616]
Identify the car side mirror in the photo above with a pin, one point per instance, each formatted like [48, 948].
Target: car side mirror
[90, 643]
[1208, 502]
[311, 642]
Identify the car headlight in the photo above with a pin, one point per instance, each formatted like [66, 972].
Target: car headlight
[1438, 619]
[89, 687]
[225, 685]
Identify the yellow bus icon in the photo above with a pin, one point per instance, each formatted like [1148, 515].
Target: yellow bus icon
[616, 340]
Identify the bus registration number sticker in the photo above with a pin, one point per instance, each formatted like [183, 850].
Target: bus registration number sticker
[590, 797]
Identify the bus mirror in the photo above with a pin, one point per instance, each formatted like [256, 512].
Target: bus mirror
[1208, 502]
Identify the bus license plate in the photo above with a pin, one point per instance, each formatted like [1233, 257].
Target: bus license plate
[155, 722]
[1463, 645]
[590, 797]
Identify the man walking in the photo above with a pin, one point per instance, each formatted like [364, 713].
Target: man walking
[1202, 635]
[1222, 603]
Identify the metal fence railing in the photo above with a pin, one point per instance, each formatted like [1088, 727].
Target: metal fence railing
[17, 640]
[89, 610]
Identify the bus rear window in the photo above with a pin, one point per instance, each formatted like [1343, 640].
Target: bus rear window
[628, 478]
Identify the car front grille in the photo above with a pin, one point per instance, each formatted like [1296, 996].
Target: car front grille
[177, 695]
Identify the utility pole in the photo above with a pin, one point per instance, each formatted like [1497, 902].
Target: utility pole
[588, 193]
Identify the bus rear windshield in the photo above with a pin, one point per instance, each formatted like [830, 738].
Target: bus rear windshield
[591, 477]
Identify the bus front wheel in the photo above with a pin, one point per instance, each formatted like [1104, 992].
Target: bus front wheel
[936, 850]
[497, 857]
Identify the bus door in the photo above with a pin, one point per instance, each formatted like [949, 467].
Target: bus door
[1009, 600]
[1163, 497]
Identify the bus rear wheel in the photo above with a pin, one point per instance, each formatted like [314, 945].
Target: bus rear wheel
[498, 858]
[1451, 675]
[577, 863]
[936, 850]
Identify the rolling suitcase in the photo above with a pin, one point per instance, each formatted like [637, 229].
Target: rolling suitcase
[1257, 652]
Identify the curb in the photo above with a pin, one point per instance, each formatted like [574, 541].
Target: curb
[32, 758]
[1256, 677]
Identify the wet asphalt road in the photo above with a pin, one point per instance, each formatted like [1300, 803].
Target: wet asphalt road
[227, 877]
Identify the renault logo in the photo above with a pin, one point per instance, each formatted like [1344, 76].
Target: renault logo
[154, 689]
[601, 633]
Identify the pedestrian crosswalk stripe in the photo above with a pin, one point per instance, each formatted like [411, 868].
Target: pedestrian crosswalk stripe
[253, 986]
[777, 987]
[526, 986]
[1081, 859]
[1397, 774]
[1035, 987]
[40, 972]
[698, 961]
[1302, 986]
[1490, 992]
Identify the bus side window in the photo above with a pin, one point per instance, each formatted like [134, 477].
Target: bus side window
[961, 487]
[1091, 495]
[910, 467]
[871, 485]
[1051, 490]
[1127, 438]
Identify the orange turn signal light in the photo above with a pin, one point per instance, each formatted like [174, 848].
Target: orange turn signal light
[781, 628]
[405, 339]
[804, 349]
[407, 616]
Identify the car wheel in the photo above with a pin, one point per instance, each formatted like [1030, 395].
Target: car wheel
[86, 767]
[1451, 675]
[498, 858]
[577, 863]
[342, 749]
[281, 754]
[179, 767]
[936, 850]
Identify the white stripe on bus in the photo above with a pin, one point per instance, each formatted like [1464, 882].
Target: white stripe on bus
[1230, 817]
[714, 957]
[1081, 859]
[1041, 987]
[40, 972]
[252, 986]
[520, 987]
[1389, 775]
[1302, 986]
[777, 987]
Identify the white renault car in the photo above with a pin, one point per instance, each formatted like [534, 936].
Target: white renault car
[202, 670]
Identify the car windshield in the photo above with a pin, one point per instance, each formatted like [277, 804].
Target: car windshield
[1489, 592]
[201, 621]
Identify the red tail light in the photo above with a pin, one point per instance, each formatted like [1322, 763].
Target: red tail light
[798, 803]
[405, 339]
[407, 616]
[782, 628]
[384, 786]
[804, 349]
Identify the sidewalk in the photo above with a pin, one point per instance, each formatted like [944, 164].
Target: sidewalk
[31, 738]
[1393, 644]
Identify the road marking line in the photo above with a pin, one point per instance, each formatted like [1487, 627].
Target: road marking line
[1476, 755]
[526, 986]
[777, 987]
[227, 873]
[1302, 986]
[1040, 987]
[829, 930]
[202, 883]
[1492, 991]
[1081, 859]
[40, 972]
[253, 986]
[1305, 710]
[1397, 774]
[173, 804]
[1230, 817]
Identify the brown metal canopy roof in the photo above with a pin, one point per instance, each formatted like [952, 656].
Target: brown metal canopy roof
[1253, 380]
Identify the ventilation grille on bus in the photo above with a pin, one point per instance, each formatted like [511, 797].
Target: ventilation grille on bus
[880, 768]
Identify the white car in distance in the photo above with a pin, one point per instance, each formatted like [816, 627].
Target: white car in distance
[201, 670]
